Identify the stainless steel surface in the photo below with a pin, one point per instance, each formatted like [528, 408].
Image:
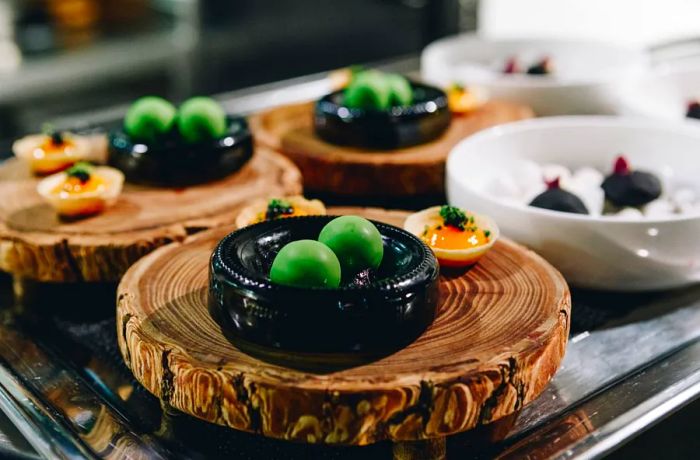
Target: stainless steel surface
[597, 359]
[55, 409]
[619, 377]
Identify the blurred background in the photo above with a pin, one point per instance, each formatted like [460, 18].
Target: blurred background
[66, 56]
[60, 57]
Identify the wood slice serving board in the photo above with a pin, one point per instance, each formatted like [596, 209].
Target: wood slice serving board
[499, 336]
[35, 244]
[349, 171]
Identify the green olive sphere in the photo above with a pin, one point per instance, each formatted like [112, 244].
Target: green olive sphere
[368, 90]
[356, 241]
[400, 89]
[201, 119]
[148, 118]
[306, 263]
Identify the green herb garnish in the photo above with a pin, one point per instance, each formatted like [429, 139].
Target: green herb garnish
[277, 207]
[453, 216]
[80, 171]
[487, 233]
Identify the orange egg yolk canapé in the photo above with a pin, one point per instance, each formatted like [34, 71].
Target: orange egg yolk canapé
[456, 231]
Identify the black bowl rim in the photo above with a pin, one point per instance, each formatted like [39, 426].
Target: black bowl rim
[242, 134]
[330, 107]
[245, 279]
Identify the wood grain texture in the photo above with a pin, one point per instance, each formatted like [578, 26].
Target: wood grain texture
[499, 336]
[36, 244]
[328, 168]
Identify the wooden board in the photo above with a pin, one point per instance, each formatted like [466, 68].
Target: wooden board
[36, 244]
[348, 171]
[499, 336]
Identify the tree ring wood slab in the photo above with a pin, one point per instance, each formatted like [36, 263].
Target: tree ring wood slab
[350, 171]
[35, 244]
[499, 336]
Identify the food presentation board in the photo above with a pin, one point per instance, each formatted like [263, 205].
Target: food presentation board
[498, 338]
[35, 244]
[350, 171]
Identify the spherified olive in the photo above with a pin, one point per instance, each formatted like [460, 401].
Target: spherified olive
[306, 263]
[368, 90]
[201, 119]
[356, 241]
[401, 90]
[148, 118]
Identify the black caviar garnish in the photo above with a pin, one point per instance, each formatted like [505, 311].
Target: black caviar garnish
[453, 216]
[80, 171]
[277, 208]
[57, 138]
[55, 135]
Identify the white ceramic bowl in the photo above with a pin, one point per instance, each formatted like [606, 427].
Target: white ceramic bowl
[603, 252]
[587, 79]
[662, 94]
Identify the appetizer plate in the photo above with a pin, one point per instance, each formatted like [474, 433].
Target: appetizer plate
[663, 93]
[355, 172]
[498, 337]
[604, 252]
[38, 245]
[586, 78]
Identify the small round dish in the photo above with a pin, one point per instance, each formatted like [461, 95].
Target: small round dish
[86, 203]
[175, 163]
[422, 121]
[45, 157]
[356, 320]
[418, 222]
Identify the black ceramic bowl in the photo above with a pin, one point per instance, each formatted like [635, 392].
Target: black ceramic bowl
[424, 120]
[176, 163]
[390, 311]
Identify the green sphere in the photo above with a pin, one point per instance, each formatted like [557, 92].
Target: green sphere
[356, 241]
[201, 119]
[306, 263]
[148, 118]
[400, 89]
[368, 90]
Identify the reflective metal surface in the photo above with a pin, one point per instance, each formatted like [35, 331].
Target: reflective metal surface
[631, 360]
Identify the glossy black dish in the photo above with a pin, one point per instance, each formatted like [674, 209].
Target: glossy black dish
[175, 163]
[424, 120]
[378, 317]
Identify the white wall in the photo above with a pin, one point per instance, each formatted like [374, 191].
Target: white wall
[635, 22]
